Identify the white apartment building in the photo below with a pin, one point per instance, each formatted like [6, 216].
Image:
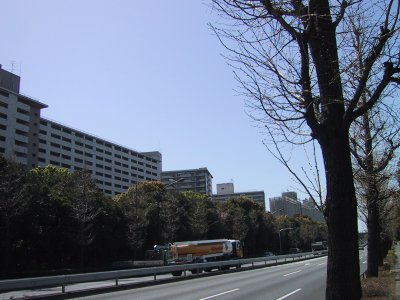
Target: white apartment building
[195, 180]
[34, 141]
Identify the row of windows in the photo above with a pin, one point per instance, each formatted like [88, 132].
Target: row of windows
[100, 142]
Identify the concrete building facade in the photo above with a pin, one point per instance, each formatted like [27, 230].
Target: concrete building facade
[195, 180]
[34, 141]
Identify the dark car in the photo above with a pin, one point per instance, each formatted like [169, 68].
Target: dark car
[294, 250]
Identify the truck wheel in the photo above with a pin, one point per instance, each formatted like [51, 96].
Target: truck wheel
[238, 266]
[176, 273]
[195, 271]
[207, 269]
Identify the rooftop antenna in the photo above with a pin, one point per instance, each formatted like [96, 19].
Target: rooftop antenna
[12, 66]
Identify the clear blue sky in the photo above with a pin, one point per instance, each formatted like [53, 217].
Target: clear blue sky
[148, 75]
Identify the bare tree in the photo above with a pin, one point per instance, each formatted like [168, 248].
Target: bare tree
[294, 62]
[374, 139]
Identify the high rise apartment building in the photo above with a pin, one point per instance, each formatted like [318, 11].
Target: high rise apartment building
[34, 141]
[195, 180]
[226, 191]
[287, 204]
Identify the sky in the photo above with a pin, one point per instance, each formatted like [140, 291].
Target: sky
[148, 75]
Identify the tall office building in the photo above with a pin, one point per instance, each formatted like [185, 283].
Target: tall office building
[28, 139]
[195, 180]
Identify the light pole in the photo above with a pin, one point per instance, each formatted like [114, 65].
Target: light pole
[280, 242]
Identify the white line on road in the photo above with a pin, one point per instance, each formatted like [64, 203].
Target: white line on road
[292, 273]
[287, 295]
[364, 262]
[220, 294]
[321, 264]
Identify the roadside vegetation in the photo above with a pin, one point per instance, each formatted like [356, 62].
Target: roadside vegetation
[53, 221]
[383, 286]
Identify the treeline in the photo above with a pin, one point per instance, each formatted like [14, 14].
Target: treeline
[51, 219]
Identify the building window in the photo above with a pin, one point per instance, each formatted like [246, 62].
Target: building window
[66, 148]
[79, 143]
[41, 159]
[3, 116]
[41, 150]
[23, 111]
[42, 141]
[3, 127]
[88, 147]
[88, 154]
[4, 94]
[20, 132]
[66, 139]
[52, 153]
[55, 145]
[19, 143]
[56, 136]
[44, 123]
[20, 154]
[56, 127]
[54, 163]
[78, 151]
[66, 157]
[2, 138]
[44, 132]
[78, 160]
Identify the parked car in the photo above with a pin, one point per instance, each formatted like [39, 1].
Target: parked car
[294, 250]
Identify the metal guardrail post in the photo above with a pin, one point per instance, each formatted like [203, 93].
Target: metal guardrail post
[116, 281]
[155, 276]
[63, 289]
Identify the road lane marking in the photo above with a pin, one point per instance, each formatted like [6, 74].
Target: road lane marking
[220, 294]
[287, 295]
[292, 273]
[364, 262]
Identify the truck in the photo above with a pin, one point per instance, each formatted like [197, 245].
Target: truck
[201, 251]
[319, 247]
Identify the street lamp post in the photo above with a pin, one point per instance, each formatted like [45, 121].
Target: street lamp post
[280, 242]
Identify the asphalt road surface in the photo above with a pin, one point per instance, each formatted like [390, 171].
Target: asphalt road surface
[298, 280]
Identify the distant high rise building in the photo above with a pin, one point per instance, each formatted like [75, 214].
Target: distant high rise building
[33, 141]
[287, 204]
[195, 180]
[226, 191]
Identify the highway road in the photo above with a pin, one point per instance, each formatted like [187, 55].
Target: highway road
[298, 280]
[301, 280]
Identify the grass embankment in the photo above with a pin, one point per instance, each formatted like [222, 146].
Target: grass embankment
[383, 286]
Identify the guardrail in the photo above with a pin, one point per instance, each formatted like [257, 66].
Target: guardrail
[64, 280]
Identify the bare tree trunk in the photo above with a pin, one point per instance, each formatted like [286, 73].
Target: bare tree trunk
[374, 244]
[343, 275]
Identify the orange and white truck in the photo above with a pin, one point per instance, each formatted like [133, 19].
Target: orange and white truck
[188, 252]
